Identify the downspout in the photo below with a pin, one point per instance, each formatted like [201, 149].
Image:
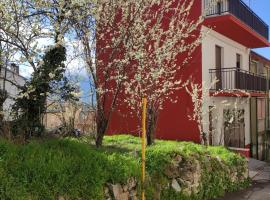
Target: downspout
[267, 117]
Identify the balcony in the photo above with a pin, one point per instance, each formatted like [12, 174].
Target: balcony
[234, 19]
[235, 79]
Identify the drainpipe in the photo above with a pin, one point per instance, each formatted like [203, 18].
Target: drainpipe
[267, 118]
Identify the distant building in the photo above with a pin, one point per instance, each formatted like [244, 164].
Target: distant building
[59, 114]
[11, 81]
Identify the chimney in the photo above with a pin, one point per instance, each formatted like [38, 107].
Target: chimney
[15, 68]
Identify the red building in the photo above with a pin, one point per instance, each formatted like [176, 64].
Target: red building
[225, 54]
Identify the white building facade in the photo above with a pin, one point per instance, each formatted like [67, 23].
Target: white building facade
[11, 81]
[237, 102]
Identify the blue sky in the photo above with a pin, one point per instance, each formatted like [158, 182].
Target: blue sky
[262, 9]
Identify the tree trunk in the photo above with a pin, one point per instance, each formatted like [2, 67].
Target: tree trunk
[102, 124]
[152, 116]
[3, 97]
[1, 121]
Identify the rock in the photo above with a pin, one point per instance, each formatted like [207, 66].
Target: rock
[178, 159]
[188, 176]
[176, 162]
[133, 198]
[219, 159]
[176, 186]
[171, 171]
[122, 196]
[106, 190]
[125, 188]
[133, 195]
[181, 181]
[107, 193]
[116, 190]
[131, 183]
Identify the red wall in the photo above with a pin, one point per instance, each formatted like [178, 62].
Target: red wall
[173, 122]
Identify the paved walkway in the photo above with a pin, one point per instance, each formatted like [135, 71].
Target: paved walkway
[260, 190]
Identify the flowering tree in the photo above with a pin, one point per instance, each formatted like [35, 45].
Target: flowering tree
[200, 97]
[22, 28]
[131, 48]
[199, 94]
[137, 46]
[163, 41]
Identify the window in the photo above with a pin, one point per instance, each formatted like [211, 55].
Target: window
[238, 61]
[253, 67]
[261, 108]
[261, 114]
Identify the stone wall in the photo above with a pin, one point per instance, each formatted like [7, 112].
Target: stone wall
[184, 176]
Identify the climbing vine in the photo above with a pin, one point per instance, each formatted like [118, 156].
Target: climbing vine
[47, 80]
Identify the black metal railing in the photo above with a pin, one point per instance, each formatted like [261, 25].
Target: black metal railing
[237, 79]
[240, 10]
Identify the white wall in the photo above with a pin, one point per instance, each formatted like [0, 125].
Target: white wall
[220, 104]
[10, 88]
[230, 49]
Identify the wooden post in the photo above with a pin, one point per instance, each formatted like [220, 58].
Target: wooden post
[144, 103]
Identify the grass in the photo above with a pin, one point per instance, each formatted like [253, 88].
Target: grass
[60, 168]
[72, 168]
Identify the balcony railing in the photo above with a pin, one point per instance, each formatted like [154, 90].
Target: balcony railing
[237, 79]
[240, 10]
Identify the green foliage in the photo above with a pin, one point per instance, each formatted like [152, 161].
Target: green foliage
[71, 168]
[218, 165]
[60, 168]
[45, 81]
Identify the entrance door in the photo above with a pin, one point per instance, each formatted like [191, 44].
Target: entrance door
[234, 128]
[261, 114]
[218, 67]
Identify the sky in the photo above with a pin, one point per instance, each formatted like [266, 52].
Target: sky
[262, 9]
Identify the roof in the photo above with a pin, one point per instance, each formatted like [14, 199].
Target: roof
[259, 58]
[9, 70]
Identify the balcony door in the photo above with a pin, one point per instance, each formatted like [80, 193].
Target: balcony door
[239, 75]
[218, 67]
